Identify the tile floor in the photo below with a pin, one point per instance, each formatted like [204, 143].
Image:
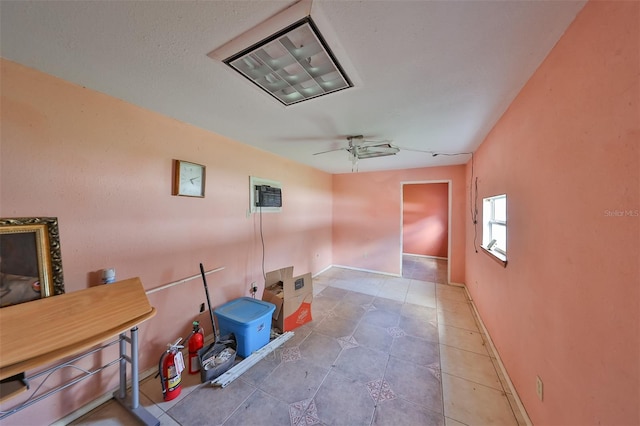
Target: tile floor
[424, 268]
[381, 350]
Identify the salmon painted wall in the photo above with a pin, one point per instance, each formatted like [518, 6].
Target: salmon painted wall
[425, 219]
[367, 215]
[566, 153]
[103, 167]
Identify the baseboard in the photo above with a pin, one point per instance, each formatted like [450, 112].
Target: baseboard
[367, 270]
[104, 398]
[514, 393]
[75, 415]
[426, 256]
[321, 271]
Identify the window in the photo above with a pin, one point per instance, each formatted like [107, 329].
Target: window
[494, 230]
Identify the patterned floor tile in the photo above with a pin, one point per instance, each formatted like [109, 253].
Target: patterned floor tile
[293, 380]
[361, 364]
[337, 327]
[369, 307]
[399, 364]
[297, 409]
[399, 412]
[320, 349]
[373, 337]
[252, 411]
[382, 318]
[380, 390]
[396, 332]
[435, 370]
[344, 401]
[311, 415]
[304, 412]
[349, 311]
[416, 350]
[291, 354]
[415, 383]
[348, 342]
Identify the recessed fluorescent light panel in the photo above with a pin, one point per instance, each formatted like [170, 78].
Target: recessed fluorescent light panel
[293, 65]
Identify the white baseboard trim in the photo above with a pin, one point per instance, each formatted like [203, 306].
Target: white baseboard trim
[104, 398]
[367, 270]
[321, 271]
[426, 256]
[514, 393]
[75, 415]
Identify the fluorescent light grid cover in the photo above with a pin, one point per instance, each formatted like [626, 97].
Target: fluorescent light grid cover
[292, 65]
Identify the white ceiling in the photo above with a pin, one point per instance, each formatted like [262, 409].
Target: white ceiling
[429, 75]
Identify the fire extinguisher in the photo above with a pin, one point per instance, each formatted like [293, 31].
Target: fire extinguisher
[170, 368]
[196, 342]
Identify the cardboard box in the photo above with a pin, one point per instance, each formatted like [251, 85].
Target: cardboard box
[292, 297]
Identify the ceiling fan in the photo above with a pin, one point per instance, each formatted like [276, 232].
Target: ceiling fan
[360, 148]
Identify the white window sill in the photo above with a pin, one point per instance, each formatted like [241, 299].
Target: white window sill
[498, 257]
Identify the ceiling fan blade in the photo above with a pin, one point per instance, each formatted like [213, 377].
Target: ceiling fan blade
[331, 150]
[415, 150]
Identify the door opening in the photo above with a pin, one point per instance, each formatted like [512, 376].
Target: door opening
[425, 249]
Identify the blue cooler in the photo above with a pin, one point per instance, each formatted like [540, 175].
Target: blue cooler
[249, 319]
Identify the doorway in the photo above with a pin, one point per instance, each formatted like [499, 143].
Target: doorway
[425, 234]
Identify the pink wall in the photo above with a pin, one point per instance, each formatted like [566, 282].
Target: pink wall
[425, 219]
[566, 153]
[367, 214]
[103, 167]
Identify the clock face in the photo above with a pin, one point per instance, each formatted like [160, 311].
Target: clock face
[190, 179]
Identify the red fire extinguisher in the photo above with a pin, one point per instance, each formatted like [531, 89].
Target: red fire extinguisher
[170, 368]
[196, 342]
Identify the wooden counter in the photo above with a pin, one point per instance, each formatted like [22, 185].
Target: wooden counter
[40, 332]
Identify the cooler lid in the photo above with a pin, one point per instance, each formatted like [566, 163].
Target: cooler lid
[245, 309]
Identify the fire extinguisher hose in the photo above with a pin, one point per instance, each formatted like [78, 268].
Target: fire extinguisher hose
[162, 378]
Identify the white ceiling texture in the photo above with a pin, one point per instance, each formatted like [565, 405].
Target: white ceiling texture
[428, 75]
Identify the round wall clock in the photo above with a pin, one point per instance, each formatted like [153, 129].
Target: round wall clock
[188, 179]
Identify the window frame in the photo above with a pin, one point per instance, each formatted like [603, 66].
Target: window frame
[498, 253]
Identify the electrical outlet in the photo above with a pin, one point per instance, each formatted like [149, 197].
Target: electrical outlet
[254, 288]
[539, 387]
[202, 307]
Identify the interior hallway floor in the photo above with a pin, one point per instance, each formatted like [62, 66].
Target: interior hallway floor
[424, 268]
[380, 350]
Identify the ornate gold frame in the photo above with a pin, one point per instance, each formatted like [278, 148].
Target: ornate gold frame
[46, 251]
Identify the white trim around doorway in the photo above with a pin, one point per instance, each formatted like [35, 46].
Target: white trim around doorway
[449, 183]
